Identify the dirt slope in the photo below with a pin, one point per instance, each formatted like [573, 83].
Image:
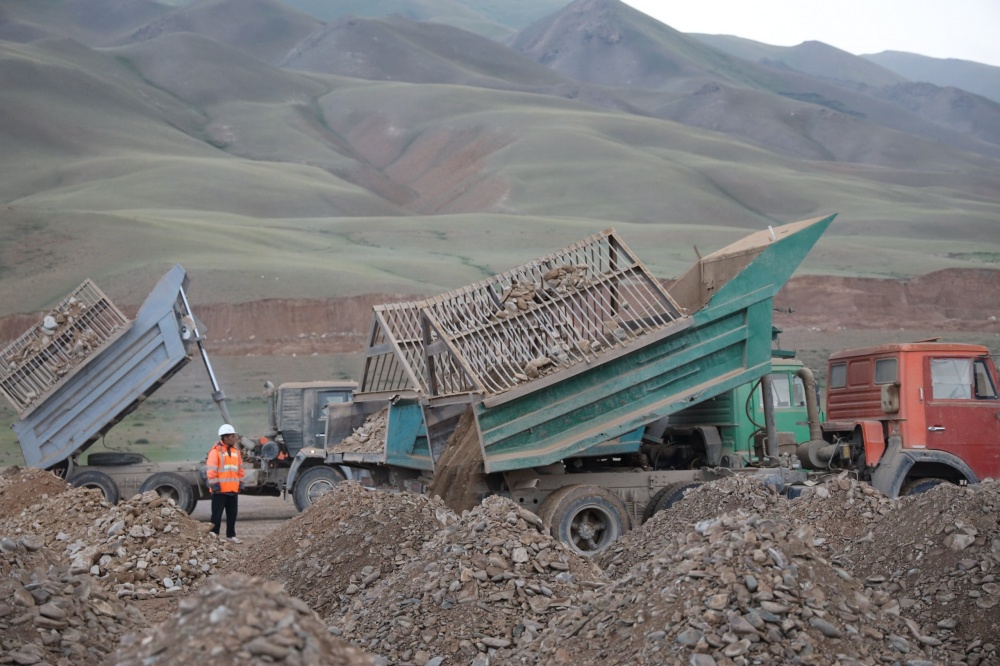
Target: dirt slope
[946, 301]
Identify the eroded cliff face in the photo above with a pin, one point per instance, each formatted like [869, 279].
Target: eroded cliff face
[949, 300]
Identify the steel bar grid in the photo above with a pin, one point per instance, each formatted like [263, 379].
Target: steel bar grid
[82, 324]
[553, 312]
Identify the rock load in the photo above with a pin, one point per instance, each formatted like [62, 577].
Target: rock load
[235, 619]
[739, 588]
[938, 559]
[368, 438]
[489, 580]
[348, 539]
[139, 549]
[842, 511]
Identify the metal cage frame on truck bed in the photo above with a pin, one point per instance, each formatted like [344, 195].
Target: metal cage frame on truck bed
[566, 308]
[48, 354]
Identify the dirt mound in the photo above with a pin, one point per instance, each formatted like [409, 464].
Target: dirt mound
[485, 582]
[742, 587]
[239, 620]
[139, 549]
[22, 487]
[842, 512]
[49, 615]
[348, 539]
[938, 557]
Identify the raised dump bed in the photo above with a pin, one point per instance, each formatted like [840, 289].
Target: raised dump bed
[47, 355]
[583, 346]
[111, 381]
[569, 308]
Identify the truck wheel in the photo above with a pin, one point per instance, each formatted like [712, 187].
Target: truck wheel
[314, 482]
[112, 458]
[586, 518]
[666, 497]
[918, 486]
[99, 480]
[172, 486]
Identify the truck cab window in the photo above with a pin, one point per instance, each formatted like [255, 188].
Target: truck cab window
[799, 391]
[951, 378]
[779, 391]
[838, 375]
[985, 390]
[885, 371]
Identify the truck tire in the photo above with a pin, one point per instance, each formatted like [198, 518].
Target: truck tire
[586, 518]
[918, 486]
[666, 497]
[99, 480]
[314, 482]
[112, 458]
[172, 486]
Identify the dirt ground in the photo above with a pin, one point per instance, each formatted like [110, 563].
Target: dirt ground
[257, 516]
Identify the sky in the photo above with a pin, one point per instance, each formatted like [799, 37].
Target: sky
[964, 29]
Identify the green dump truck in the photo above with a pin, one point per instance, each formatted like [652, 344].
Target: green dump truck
[542, 383]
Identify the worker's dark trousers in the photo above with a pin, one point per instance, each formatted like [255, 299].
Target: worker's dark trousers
[227, 502]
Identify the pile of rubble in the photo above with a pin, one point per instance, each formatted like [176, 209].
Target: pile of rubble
[345, 542]
[842, 511]
[22, 487]
[739, 588]
[48, 612]
[369, 437]
[49, 615]
[141, 548]
[938, 559]
[239, 620]
[489, 580]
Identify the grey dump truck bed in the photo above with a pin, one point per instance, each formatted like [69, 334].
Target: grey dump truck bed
[86, 367]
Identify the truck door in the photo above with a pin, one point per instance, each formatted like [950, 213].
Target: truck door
[963, 412]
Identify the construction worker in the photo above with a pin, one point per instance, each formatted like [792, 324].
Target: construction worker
[225, 480]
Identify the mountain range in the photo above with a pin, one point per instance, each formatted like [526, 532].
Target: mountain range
[312, 149]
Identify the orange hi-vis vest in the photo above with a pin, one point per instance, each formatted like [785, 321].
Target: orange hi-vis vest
[225, 467]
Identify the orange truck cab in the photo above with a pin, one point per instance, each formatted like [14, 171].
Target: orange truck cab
[909, 416]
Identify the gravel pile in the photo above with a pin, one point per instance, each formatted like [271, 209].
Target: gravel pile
[51, 616]
[235, 619]
[348, 539]
[938, 559]
[489, 580]
[842, 512]
[740, 588]
[20, 487]
[141, 548]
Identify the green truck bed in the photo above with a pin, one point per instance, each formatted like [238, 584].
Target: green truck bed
[580, 347]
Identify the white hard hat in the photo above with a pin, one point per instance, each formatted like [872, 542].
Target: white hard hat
[226, 429]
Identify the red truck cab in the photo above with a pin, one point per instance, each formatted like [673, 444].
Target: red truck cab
[912, 415]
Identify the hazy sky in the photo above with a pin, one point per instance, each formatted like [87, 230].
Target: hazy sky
[965, 29]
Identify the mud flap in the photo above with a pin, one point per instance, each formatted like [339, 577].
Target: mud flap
[892, 469]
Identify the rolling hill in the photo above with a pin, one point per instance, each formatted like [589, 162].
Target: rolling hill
[277, 154]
